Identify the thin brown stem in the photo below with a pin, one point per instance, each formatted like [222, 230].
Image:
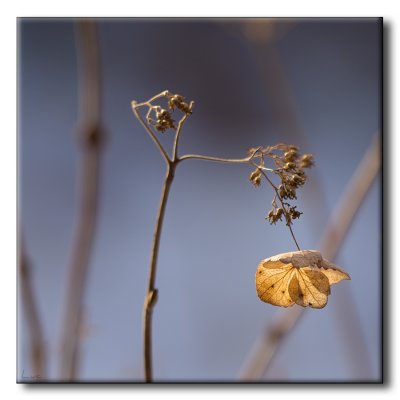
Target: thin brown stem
[178, 133]
[268, 344]
[152, 293]
[147, 103]
[216, 159]
[91, 138]
[36, 338]
[160, 147]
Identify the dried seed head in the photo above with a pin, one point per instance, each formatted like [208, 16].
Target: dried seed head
[178, 101]
[164, 120]
[289, 167]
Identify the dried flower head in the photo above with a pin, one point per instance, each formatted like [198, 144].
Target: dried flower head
[161, 118]
[299, 277]
[307, 161]
[178, 101]
[289, 166]
[164, 120]
[275, 215]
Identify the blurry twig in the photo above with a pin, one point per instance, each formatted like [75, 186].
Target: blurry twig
[91, 138]
[36, 339]
[266, 347]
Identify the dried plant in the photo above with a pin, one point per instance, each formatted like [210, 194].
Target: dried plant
[285, 175]
[272, 338]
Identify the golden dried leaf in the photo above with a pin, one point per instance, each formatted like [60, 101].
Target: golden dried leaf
[301, 277]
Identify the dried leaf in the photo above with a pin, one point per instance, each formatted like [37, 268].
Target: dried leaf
[301, 277]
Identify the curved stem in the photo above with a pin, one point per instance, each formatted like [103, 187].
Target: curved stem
[135, 106]
[151, 296]
[283, 206]
[216, 159]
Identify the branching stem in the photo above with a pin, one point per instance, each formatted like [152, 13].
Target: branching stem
[135, 107]
[172, 162]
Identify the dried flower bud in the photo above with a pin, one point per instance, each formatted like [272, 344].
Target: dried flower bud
[290, 155]
[297, 179]
[161, 114]
[282, 191]
[294, 213]
[275, 215]
[164, 120]
[290, 192]
[307, 161]
[289, 166]
[255, 177]
[178, 101]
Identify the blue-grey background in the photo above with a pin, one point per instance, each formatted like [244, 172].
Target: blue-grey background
[214, 236]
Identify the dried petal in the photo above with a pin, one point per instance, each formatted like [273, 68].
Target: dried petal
[301, 277]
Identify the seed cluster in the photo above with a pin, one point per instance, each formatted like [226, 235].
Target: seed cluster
[289, 166]
[178, 101]
[163, 118]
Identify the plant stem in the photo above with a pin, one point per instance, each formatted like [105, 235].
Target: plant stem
[152, 292]
[177, 135]
[216, 159]
[135, 107]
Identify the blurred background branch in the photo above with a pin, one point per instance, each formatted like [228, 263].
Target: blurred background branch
[37, 349]
[90, 140]
[264, 349]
